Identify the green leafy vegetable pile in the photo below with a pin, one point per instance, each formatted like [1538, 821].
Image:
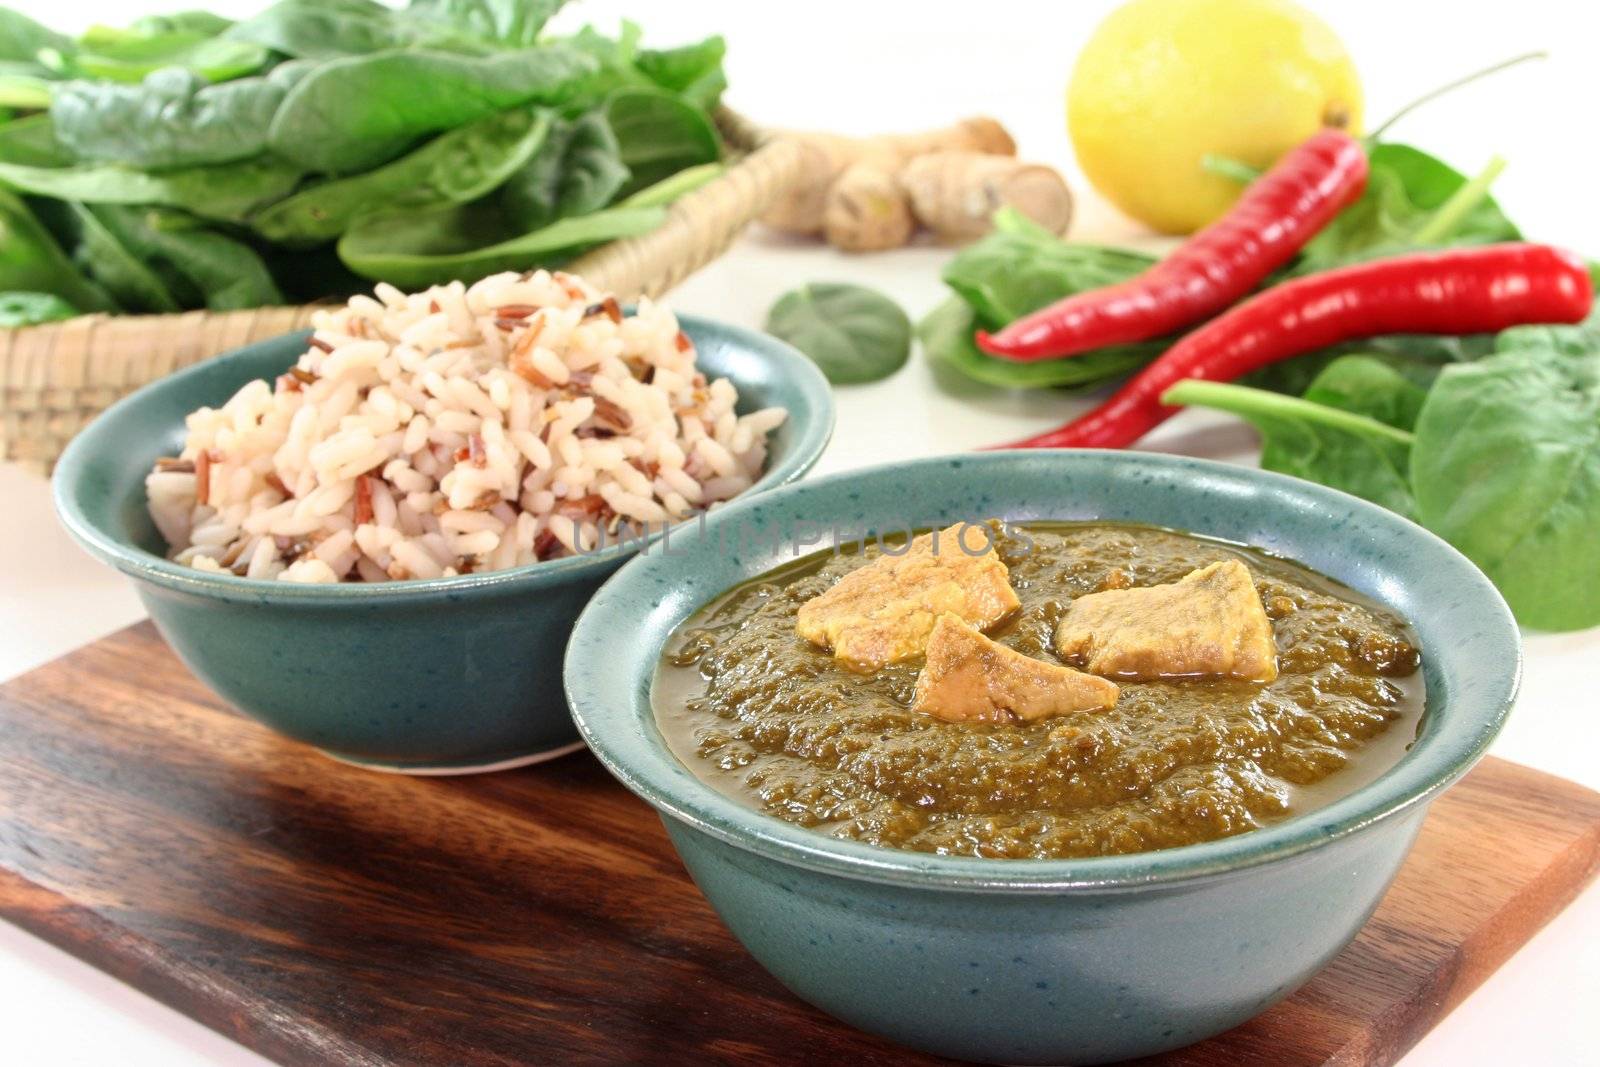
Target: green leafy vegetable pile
[189, 161]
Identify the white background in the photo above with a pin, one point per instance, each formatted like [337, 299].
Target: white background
[872, 65]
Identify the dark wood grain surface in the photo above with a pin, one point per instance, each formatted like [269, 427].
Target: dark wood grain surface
[326, 915]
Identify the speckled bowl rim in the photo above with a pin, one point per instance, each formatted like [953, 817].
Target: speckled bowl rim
[813, 427]
[608, 689]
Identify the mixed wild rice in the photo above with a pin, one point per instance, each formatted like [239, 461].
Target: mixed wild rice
[457, 430]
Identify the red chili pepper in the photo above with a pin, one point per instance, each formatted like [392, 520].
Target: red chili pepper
[1465, 290]
[1275, 217]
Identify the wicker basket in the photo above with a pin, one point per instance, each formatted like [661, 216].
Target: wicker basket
[55, 377]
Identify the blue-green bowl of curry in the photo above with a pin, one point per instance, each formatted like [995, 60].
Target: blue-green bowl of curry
[1089, 959]
[436, 676]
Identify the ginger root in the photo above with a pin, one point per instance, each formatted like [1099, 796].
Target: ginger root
[954, 194]
[828, 155]
[869, 194]
[867, 210]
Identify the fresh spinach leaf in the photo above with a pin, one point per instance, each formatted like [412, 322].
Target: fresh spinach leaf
[693, 71]
[160, 260]
[1368, 386]
[615, 60]
[23, 91]
[134, 284]
[325, 29]
[204, 267]
[31, 309]
[1405, 187]
[22, 39]
[514, 23]
[1507, 468]
[469, 242]
[946, 336]
[592, 169]
[129, 55]
[577, 170]
[354, 113]
[1340, 448]
[1417, 357]
[174, 118]
[32, 142]
[31, 58]
[32, 261]
[224, 191]
[658, 135]
[1021, 267]
[456, 167]
[1577, 340]
[854, 334]
[1005, 276]
[181, 22]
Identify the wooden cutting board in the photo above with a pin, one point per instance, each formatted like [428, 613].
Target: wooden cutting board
[326, 915]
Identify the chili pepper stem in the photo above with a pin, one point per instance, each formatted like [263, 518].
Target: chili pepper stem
[1450, 87]
[1450, 214]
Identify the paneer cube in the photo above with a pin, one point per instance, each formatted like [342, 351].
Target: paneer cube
[1209, 623]
[883, 612]
[971, 678]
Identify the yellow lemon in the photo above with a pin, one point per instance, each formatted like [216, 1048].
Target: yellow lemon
[1163, 83]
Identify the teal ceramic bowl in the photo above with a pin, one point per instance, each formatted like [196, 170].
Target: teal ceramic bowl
[446, 675]
[1053, 961]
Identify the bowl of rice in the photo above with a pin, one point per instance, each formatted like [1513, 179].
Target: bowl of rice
[375, 537]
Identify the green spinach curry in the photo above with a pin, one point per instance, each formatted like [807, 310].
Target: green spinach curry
[1145, 762]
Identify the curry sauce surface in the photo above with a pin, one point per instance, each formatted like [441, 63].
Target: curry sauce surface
[775, 722]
